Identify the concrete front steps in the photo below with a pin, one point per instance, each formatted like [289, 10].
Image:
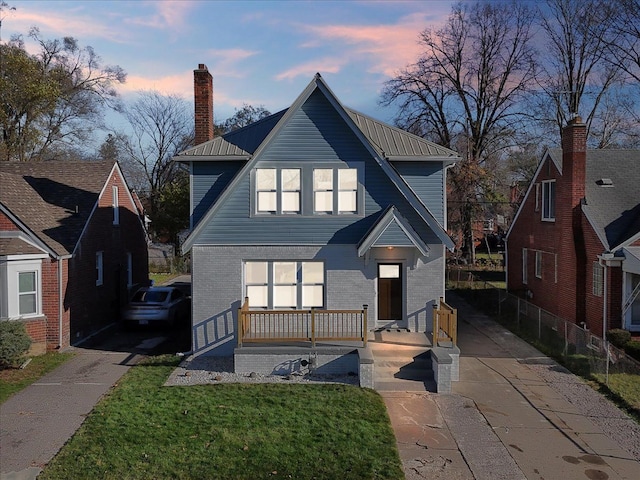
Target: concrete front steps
[402, 363]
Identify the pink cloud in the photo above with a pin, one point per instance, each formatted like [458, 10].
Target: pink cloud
[169, 15]
[228, 62]
[387, 48]
[177, 84]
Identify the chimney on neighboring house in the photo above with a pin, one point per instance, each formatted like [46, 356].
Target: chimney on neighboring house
[203, 99]
[574, 158]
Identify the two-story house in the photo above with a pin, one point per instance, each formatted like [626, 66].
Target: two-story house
[573, 248]
[314, 207]
[72, 247]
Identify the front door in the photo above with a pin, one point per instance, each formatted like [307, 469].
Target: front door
[390, 291]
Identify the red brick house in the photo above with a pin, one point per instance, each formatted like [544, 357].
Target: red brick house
[573, 248]
[72, 247]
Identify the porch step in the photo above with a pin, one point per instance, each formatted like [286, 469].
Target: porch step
[402, 368]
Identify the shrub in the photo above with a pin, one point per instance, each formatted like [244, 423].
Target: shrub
[14, 343]
[618, 337]
[632, 349]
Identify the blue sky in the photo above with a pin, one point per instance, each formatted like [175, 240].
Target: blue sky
[259, 52]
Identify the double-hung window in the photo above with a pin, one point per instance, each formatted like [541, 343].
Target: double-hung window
[284, 284]
[525, 265]
[538, 264]
[335, 190]
[99, 268]
[549, 200]
[27, 293]
[278, 190]
[115, 205]
[598, 279]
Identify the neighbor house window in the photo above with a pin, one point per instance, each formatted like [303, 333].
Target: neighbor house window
[524, 266]
[598, 279]
[278, 190]
[537, 208]
[538, 264]
[116, 206]
[549, 200]
[27, 293]
[129, 269]
[284, 284]
[329, 199]
[99, 268]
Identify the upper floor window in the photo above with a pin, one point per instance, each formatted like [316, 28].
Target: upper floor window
[329, 199]
[549, 200]
[116, 205]
[278, 190]
[309, 190]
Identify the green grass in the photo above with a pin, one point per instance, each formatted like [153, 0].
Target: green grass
[230, 431]
[13, 380]
[624, 387]
[160, 278]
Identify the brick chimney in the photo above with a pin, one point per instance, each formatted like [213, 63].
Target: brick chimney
[574, 159]
[203, 99]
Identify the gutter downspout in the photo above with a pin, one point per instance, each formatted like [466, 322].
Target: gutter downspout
[60, 306]
[605, 287]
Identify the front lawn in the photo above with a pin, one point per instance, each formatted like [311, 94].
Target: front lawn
[13, 380]
[230, 431]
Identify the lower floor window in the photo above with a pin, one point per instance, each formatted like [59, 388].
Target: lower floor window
[598, 279]
[27, 293]
[284, 284]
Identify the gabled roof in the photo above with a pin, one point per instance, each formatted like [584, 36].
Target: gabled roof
[53, 200]
[243, 144]
[391, 230]
[612, 194]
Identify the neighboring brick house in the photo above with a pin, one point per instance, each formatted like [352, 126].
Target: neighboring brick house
[314, 207]
[72, 247]
[573, 248]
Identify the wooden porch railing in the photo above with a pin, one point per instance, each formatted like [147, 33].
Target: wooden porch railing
[301, 325]
[445, 324]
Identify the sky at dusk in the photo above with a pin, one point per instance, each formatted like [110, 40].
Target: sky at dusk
[259, 52]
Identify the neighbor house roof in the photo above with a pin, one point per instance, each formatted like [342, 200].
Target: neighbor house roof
[53, 200]
[612, 193]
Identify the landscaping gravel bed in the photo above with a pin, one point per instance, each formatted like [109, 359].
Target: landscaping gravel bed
[212, 370]
[616, 424]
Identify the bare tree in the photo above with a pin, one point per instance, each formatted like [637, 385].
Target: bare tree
[160, 126]
[466, 91]
[575, 74]
[624, 47]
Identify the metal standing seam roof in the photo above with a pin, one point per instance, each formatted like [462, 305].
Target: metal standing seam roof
[391, 142]
[53, 199]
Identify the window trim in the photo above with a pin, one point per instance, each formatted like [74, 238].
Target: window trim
[115, 205]
[548, 207]
[10, 280]
[33, 293]
[307, 192]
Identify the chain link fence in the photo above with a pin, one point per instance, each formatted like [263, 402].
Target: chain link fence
[580, 350]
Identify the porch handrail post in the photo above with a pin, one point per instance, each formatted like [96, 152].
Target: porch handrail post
[313, 327]
[241, 320]
[436, 326]
[365, 307]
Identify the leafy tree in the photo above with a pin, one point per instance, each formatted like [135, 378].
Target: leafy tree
[242, 117]
[466, 92]
[53, 99]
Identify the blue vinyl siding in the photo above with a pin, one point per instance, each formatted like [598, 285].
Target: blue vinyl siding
[316, 134]
[426, 180]
[208, 181]
[393, 235]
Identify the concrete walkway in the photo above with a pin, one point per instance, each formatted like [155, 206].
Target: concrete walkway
[37, 421]
[502, 421]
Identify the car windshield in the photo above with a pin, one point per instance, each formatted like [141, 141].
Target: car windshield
[150, 296]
